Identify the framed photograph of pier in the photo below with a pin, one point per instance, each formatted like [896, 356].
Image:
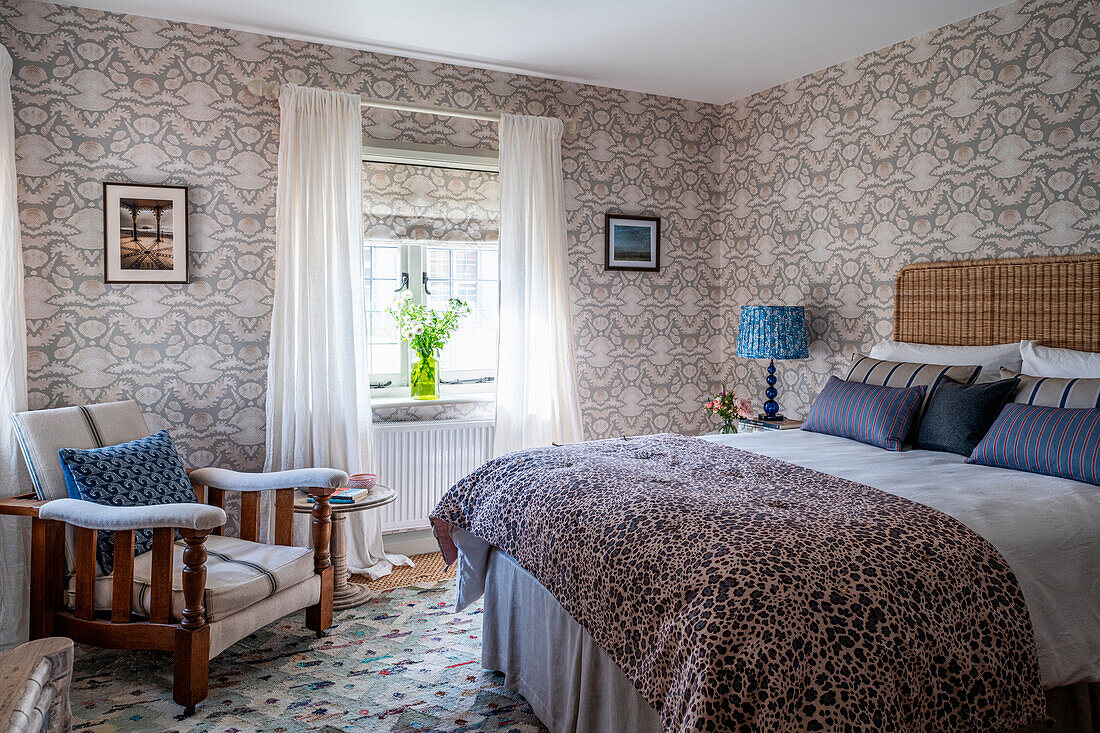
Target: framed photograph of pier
[144, 233]
[632, 242]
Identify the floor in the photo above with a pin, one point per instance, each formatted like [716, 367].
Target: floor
[402, 663]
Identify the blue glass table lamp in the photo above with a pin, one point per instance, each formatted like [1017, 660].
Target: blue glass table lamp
[772, 332]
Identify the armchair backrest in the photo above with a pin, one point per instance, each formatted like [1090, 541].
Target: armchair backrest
[41, 433]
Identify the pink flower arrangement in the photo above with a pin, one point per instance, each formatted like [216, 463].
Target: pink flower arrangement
[728, 406]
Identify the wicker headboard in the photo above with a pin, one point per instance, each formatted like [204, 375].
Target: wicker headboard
[1055, 300]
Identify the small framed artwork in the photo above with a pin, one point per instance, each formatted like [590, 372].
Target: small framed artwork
[144, 233]
[632, 243]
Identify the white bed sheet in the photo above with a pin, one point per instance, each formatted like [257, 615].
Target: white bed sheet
[1047, 529]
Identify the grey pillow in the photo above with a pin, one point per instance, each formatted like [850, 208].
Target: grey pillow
[959, 415]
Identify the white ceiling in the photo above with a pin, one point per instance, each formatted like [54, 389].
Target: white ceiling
[706, 50]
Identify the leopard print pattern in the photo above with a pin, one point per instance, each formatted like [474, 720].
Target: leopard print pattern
[742, 593]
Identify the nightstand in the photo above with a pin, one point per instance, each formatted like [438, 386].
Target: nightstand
[751, 425]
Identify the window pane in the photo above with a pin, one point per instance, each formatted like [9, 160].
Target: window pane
[386, 263]
[488, 262]
[465, 291]
[439, 263]
[385, 358]
[382, 329]
[465, 264]
[441, 293]
[381, 295]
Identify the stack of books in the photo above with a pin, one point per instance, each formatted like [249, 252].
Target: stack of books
[771, 424]
[346, 496]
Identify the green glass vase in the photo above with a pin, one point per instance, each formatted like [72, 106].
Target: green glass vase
[424, 378]
[729, 427]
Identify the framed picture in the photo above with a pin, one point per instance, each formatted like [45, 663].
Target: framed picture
[144, 233]
[632, 243]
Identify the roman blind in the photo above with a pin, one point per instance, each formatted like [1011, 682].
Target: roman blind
[413, 204]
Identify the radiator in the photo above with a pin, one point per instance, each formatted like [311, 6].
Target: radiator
[421, 460]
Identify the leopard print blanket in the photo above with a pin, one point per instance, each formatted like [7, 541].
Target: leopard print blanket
[741, 593]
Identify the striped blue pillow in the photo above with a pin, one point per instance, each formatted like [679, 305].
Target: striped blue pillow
[868, 413]
[1053, 441]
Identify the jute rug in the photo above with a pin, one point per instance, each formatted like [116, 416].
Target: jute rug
[429, 569]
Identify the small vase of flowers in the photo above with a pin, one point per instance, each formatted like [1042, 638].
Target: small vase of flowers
[729, 407]
[426, 331]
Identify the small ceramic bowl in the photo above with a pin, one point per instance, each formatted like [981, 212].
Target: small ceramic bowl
[362, 481]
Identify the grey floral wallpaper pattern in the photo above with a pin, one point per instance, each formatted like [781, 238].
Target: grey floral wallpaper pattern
[976, 140]
[101, 96]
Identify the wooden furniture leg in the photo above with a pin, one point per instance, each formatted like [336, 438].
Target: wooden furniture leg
[192, 638]
[46, 575]
[319, 616]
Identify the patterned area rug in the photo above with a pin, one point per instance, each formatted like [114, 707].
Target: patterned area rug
[427, 569]
[402, 663]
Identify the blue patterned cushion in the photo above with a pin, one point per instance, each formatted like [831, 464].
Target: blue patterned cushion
[139, 473]
[868, 413]
[1053, 441]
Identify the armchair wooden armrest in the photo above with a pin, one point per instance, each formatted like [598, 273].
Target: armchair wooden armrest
[321, 483]
[24, 505]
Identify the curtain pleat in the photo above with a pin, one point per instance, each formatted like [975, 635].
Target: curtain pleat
[318, 392]
[537, 399]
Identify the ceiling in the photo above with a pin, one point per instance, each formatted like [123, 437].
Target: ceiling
[707, 50]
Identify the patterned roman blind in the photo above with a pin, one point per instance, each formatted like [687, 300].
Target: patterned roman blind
[412, 204]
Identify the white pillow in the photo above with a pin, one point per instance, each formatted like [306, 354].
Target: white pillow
[1043, 361]
[991, 358]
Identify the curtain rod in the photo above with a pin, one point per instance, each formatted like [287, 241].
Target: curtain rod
[270, 90]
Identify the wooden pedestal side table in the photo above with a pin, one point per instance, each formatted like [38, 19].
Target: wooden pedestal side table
[346, 594]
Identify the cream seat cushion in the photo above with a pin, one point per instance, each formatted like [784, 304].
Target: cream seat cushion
[239, 574]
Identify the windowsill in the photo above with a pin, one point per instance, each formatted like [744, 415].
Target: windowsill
[447, 399]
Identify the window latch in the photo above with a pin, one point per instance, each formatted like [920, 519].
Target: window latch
[380, 385]
[404, 283]
[473, 380]
[424, 281]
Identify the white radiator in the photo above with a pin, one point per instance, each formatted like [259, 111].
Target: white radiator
[421, 460]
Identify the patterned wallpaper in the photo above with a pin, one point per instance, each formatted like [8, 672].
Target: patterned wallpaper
[976, 140]
[101, 96]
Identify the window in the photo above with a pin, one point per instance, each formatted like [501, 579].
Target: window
[431, 230]
[435, 274]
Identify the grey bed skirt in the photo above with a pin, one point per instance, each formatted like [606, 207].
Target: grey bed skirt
[574, 687]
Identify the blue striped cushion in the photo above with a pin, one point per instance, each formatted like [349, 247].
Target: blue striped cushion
[869, 413]
[1050, 440]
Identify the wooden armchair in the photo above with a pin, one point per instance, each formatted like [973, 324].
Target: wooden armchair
[193, 597]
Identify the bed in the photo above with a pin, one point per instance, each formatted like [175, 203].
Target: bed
[1046, 529]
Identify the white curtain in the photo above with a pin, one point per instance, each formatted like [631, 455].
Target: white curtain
[537, 401]
[13, 379]
[318, 390]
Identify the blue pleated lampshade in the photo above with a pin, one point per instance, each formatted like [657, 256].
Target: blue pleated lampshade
[772, 332]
